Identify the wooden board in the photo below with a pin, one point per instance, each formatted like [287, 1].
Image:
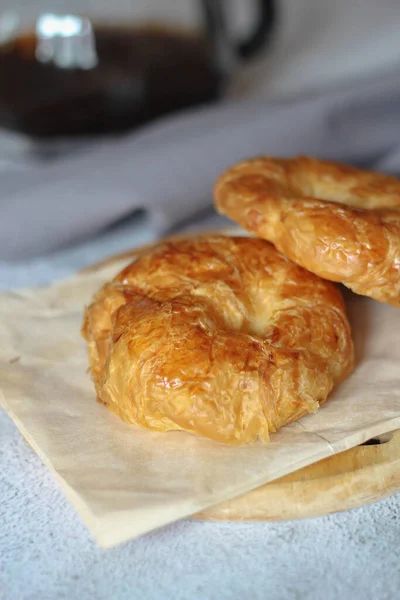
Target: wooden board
[361, 475]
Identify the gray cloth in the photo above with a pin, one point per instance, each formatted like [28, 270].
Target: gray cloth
[169, 168]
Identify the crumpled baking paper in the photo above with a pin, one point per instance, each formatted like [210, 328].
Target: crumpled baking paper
[125, 481]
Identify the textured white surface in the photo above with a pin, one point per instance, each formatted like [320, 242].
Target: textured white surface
[46, 553]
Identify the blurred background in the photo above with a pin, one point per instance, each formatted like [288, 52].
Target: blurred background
[90, 66]
[116, 117]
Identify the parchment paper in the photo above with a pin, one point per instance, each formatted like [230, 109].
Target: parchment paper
[124, 481]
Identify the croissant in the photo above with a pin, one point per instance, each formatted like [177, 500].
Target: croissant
[339, 222]
[222, 337]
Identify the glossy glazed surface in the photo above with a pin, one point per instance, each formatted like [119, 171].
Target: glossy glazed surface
[338, 222]
[218, 336]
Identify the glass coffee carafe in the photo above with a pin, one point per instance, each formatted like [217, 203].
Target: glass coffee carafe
[79, 68]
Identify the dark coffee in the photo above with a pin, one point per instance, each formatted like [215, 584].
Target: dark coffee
[141, 74]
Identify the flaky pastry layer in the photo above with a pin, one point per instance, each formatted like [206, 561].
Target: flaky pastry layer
[339, 222]
[222, 337]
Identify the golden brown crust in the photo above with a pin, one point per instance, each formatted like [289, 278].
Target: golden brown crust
[218, 336]
[337, 221]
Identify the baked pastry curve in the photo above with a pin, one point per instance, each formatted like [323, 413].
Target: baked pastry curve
[339, 222]
[218, 336]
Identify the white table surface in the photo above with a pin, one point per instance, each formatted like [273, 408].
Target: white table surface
[46, 552]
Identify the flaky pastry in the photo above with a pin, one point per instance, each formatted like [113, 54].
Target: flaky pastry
[337, 221]
[218, 336]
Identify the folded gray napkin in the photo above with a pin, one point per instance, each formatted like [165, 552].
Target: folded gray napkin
[169, 168]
